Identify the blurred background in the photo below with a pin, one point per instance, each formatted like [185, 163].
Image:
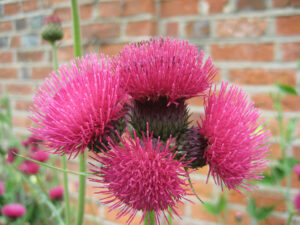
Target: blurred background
[254, 43]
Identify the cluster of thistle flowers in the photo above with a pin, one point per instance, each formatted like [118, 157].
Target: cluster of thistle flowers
[15, 210]
[131, 111]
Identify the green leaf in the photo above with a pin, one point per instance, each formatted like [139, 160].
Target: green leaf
[287, 89]
[222, 204]
[211, 208]
[264, 212]
[251, 207]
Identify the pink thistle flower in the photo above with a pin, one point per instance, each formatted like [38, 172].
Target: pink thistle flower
[29, 168]
[297, 202]
[52, 19]
[41, 156]
[141, 174]
[11, 155]
[297, 170]
[165, 67]
[237, 145]
[56, 193]
[14, 210]
[76, 108]
[2, 188]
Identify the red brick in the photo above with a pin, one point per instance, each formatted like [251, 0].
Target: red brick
[6, 57]
[21, 121]
[296, 150]
[243, 52]
[203, 189]
[91, 208]
[29, 5]
[216, 6]
[178, 7]
[273, 221]
[111, 216]
[19, 89]
[68, 35]
[63, 13]
[15, 42]
[8, 73]
[275, 152]
[126, 8]
[112, 49]
[65, 53]
[251, 5]
[172, 29]
[262, 76]
[41, 72]
[11, 8]
[291, 103]
[5, 26]
[290, 51]
[198, 212]
[30, 56]
[101, 31]
[141, 28]
[86, 11]
[263, 101]
[236, 197]
[285, 3]
[288, 25]
[23, 105]
[245, 27]
[197, 29]
[264, 198]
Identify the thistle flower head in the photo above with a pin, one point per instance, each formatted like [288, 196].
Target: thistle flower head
[77, 104]
[56, 193]
[52, 30]
[297, 202]
[237, 145]
[165, 67]
[141, 174]
[14, 210]
[297, 170]
[29, 168]
[41, 156]
[11, 155]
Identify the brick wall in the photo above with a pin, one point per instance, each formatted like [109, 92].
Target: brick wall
[255, 43]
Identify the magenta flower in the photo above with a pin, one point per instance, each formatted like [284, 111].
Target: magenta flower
[237, 145]
[2, 188]
[10, 157]
[165, 67]
[141, 175]
[78, 108]
[297, 170]
[297, 202]
[41, 156]
[14, 210]
[56, 193]
[29, 168]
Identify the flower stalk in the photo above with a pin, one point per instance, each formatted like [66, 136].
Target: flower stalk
[149, 218]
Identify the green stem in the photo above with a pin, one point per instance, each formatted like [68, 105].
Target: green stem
[81, 196]
[76, 28]
[66, 191]
[170, 217]
[149, 218]
[289, 221]
[64, 158]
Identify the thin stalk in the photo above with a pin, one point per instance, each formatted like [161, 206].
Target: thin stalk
[54, 168]
[81, 196]
[64, 158]
[66, 191]
[170, 216]
[149, 218]
[290, 219]
[76, 28]
[82, 158]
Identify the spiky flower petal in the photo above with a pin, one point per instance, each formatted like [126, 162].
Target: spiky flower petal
[77, 104]
[141, 174]
[165, 67]
[237, 145]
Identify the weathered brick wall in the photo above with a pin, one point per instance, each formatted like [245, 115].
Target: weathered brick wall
[255, 43]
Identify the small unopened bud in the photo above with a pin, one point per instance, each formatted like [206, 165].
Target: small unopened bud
[52, 30]
[239, 217]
